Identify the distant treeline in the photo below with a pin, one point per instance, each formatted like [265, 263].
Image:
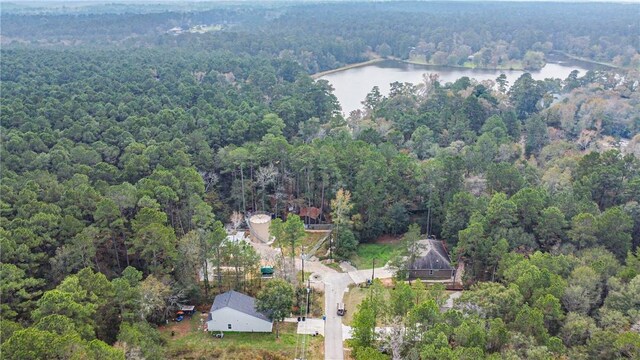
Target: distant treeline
[327, 36]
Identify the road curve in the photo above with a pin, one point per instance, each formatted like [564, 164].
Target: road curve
[335, 285]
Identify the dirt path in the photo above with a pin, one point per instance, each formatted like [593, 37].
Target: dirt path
[182, 328]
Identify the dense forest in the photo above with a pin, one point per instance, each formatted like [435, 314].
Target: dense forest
[327, 36]
[125, 148]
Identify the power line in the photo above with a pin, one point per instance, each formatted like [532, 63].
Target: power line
[297, 342]
[304, 337]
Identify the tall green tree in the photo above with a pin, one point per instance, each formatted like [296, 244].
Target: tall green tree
[18, 291]
[614, 231]
[71, 300]
[583, 232]
[127, 294]
[402, 299]
[141, 339]
[550, 228]
[537, 136]
[364, 323]
[288, 233]
[276, 300]
[525, 95]
[341, 208]
[154, 241]
[409, 253]
[212, 247]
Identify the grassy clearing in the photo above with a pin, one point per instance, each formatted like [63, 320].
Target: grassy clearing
[323, 250]
[311, 239]
[352, 299]
[382, 253]
[198, 344]
[201, 29]
[335, 266]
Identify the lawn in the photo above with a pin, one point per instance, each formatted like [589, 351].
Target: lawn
[335, 266]
[312, 238]
[352, 299]
[382, 253]
[191, 343]
[323, 251]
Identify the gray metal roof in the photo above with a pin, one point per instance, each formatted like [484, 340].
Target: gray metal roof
[433, 256]
[238, 301]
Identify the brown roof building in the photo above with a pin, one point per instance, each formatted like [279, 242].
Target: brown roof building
[432, 263]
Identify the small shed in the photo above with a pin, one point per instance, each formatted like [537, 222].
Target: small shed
[234, 311]
[432, 263]
[188, 309]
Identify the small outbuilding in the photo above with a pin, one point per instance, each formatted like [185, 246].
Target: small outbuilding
[188, 309]
[432, 262]
[234, 311]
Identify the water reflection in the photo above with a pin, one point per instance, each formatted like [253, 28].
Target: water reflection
[352, 85]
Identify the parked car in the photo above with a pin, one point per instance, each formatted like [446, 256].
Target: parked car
[341, 309]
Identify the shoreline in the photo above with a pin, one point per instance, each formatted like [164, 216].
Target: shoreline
[347, 67]
[377, 60]
[413, 62]
[588, 60]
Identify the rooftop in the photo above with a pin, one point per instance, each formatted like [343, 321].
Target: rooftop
[432, 255]
[238, 301]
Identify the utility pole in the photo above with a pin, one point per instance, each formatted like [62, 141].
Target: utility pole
[308, 297]
[373, 269]
[302, 259]
[244, 205]
[304, 337]
[331, 247]
[429, 220]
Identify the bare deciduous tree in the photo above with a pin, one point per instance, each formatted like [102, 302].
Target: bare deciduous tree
[236, 219]
[394, 338]
[264, 176]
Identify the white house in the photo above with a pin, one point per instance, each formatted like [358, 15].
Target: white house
[234, 311]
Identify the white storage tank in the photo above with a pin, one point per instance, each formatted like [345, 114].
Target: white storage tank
[260, 227]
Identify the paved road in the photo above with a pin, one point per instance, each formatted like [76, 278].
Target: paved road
[335, 285]
[334, 288]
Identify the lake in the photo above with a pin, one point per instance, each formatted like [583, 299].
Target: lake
[352, 85]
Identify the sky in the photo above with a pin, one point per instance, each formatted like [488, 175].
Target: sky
[292, 1]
